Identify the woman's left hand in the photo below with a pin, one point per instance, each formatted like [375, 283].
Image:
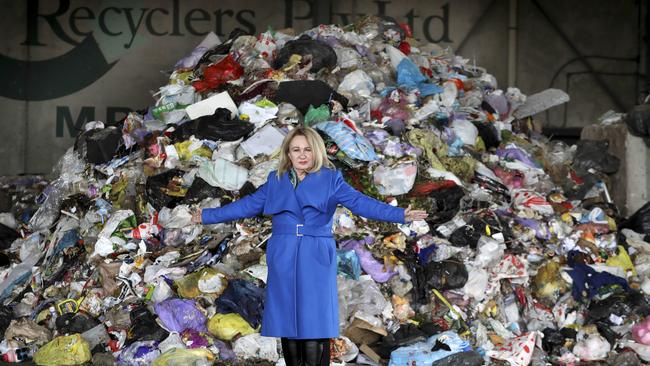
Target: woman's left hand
[414, 215]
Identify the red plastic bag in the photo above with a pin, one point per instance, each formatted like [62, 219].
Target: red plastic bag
[219, 73]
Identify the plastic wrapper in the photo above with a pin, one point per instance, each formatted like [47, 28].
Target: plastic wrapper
[64, 350]
[227, 326]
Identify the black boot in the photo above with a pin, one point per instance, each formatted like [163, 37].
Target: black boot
[316, 352]
[292, 350]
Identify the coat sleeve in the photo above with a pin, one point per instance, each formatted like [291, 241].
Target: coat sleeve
[248, 206]
[365, 206]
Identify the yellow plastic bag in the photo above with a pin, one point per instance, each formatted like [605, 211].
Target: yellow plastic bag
[227, 326]
[182, 357]
[184, 153]
[206, 281]
[64, 351]
[622, 260]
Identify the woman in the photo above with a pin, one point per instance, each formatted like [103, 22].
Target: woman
[301, 303]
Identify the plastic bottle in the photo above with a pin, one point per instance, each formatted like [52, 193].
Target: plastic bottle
[18, 355]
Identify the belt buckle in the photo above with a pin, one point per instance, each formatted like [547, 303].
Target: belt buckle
[298, 226]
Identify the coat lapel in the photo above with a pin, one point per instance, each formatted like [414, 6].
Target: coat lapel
[282, 197]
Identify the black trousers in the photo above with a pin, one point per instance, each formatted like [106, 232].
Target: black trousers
[306, 352]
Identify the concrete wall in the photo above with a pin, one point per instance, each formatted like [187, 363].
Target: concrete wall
[63, 63]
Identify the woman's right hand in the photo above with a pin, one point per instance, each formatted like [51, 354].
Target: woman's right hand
[196, 216]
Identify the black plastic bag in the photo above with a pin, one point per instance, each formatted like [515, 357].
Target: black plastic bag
[75, 323]
[638, 120]
[99, 145]
[217, 127]
[156, 186]
[446, 275]
[592, 154]
[323, 56]
[144, 326]
[465, 236]
[201, 190]
[639, 221]
[488, 133]
[303, 93]
[7, 236]
[445, 203]
[470, 358]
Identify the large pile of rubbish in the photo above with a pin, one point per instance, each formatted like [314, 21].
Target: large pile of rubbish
[523, 259]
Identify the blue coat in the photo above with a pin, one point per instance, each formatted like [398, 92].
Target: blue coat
[301, 293]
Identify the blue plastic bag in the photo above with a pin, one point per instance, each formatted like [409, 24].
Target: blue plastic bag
[409, 75]
[426, 353]
[353, 144]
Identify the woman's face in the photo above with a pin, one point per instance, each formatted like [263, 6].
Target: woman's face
[300, 154]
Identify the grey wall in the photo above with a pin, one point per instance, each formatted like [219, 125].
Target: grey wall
[66, 62]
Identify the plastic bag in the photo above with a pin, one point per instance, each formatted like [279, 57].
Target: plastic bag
[303, 93]
[593, 348]
[641, 332]
[242, 297]
[517, 351]
[323, 56]
[376, 269]
[466, 131]
[357, 86]
[353, 144]
[218, 74]
[224, 174]
[592, 154]
[139, 354]
[254, 346]
[395, 180]
[638, 120]
[98, 146]
[64, 350]
[435, 348]
[216, 127]
[227, 326]
[317, 115]
[205, 281]
[182, 357]
[348, 264]
[178, 314]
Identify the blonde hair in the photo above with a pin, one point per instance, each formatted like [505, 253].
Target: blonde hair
[317, 147]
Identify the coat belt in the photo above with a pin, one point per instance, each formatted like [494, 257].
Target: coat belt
[302, 230]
